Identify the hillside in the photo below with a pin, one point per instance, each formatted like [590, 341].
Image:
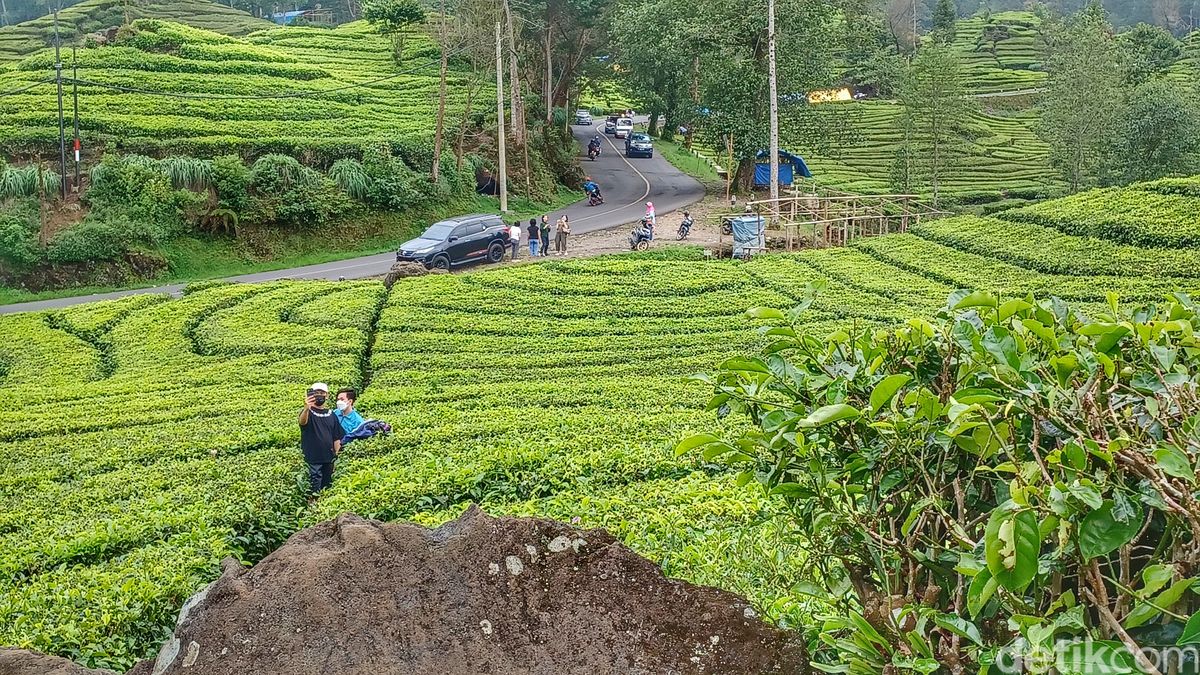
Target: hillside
[20, 40]
[1000, 153]
[1001, 52]
[132, 469]
[208, 93]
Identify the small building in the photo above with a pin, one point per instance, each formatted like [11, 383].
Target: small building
[789, 166]
[316, 16]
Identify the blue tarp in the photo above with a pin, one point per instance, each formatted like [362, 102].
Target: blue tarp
[286, 18]
[748, 235]
[789, 164]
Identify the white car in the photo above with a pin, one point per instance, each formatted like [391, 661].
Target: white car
[624, 127]
[583, 117]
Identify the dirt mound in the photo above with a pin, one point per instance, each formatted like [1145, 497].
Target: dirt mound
[478, 595]
[21, 662]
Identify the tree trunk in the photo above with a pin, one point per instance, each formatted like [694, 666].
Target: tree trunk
[439, 129]
[514, 82]
[548, 89]
[462, 126]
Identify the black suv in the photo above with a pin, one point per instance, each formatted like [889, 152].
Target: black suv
[456, 241]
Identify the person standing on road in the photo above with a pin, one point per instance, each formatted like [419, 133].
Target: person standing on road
[544, 231]
[535, 237]
[514, 237]
[651, 220]
[320, 438]
[560, 237]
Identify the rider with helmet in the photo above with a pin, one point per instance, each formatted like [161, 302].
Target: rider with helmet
[594, 147]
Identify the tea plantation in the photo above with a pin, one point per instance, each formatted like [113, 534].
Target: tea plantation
[150, 437]
[165, 87]
[17, 42]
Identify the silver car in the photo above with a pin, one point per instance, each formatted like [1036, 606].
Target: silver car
[583, 117]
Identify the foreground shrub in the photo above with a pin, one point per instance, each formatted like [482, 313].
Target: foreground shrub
[991, 484]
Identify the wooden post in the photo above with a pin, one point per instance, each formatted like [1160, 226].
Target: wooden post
[500, 123]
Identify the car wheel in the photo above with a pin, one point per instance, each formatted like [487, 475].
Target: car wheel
[440, 263]
[643, 245]
[495, 252]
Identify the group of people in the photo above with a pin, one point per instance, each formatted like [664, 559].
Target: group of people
[324, 432]
[538, 235]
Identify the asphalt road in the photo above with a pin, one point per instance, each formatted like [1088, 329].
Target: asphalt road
[627, 184]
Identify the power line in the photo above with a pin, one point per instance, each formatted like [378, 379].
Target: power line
[21, 90]
[263, 96]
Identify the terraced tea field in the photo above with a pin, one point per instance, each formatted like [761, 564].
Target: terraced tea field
[21, 40]
[210, 90]
[149, 437]
[1002, 52]
[998, 154]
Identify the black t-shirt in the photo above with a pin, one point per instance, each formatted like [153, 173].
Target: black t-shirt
[317, 437]
[533, 231]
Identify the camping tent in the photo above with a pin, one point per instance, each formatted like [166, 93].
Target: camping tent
[789, 165]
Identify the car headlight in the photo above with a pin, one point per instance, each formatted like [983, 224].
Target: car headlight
[423, 251]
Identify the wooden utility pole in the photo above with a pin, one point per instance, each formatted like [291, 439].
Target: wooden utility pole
[516, 109]
[774, 90]
[62, 127]
[439, 130]
[503, 178]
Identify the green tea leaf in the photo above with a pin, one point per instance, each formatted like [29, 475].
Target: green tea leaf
[1101, 533]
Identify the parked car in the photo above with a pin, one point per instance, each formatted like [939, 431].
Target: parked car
[624, 127]
[639, 145]
[610, 125]
[456, 241]
[583, 117]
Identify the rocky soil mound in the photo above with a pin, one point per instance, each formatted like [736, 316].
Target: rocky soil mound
[477, 595]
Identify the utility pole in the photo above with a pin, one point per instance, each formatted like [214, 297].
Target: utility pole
[516, 105]
[500, 122]
[441, 113]
[62, 129]
[75, 115]
[774, 89]
[549, 88]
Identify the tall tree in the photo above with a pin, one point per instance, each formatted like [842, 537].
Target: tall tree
[944, 15]
[1147, 51]
[733, 70]
[935, 110]
[1160, 132]
[1084, 98]
[393, 17]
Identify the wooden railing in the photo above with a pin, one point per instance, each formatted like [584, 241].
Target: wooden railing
[821, 217]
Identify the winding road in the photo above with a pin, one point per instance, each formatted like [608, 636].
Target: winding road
[627, 185]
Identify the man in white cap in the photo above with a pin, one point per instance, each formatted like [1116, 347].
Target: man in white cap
[320, 437]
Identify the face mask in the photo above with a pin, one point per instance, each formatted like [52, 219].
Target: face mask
[319, 399]
[342, 405]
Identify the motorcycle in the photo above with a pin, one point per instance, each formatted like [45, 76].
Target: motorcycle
[685, 228]
[639, 238]
[594, 199]
[593, 152]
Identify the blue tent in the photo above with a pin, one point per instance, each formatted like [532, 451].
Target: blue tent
[789, 165]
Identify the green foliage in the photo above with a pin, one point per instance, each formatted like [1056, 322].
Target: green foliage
[1160, 132]
[351, 177]
[291, 194]
[1124, 215]
[19, 233]
[935, 109]
[956, 478]
[92, 240]
[31, 180]
[945, 15]
[1083, 101]
[1147, 52]
[393, 16]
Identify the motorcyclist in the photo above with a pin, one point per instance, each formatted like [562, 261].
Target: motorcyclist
[591, 188]
[594, 145]
[685, 227]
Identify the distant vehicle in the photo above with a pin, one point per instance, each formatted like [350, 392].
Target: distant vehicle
[457, 241]
[639, 145]
[583, 117]
[610, 125]
[624, 127]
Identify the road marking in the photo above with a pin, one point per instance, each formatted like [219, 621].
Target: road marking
[635, 170]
